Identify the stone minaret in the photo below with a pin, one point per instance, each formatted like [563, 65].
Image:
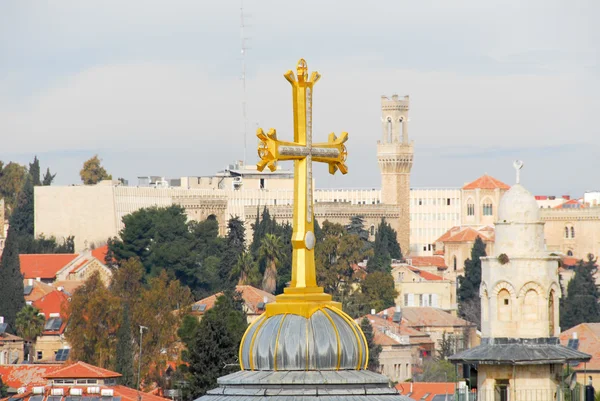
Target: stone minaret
[395, 157]
[520, 353]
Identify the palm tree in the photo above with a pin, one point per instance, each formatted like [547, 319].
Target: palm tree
[243, 269]
[271, 248]
[29, 325]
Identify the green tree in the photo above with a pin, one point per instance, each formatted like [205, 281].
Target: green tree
[214, 350]
[580, 305]
[34, 171]
[246, 271]
[29, 325]
[48, 178]
[379, 291]
[234, 247]
[357, 227]
[447, 347]
[12, 299]
[22, 218]
[386, 248]
[93, 172]
[12, 179]
[469, 304]
[374, 349]
[125, 352]
[271, 251]
[438, 371]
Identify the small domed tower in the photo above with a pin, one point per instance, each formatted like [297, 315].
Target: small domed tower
[520, 351]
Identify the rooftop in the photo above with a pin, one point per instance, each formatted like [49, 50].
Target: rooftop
[425, 391]
[486, 182]
[588, 335]
[427, 316]
[427, 261]
[252, 298]
[44, 266]
[81, 370]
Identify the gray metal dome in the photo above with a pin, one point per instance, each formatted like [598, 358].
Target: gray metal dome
[328, 340]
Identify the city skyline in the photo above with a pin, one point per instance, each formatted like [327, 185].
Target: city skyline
[156, 91]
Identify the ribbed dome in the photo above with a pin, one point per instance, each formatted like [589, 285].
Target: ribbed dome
[328, 340]
[518, 206]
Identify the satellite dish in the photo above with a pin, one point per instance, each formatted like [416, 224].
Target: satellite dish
[573, 381]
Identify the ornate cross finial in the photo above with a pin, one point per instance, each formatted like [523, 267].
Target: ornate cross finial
[518, 165]
[303, 290]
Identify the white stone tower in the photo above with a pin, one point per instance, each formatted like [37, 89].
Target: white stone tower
[395, 157]
[520, 292]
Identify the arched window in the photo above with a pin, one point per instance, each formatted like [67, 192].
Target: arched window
[530, 305]
[389, 129]
[454, 262]
[372, 230]
[470, 209]
[572, 232]
[566, 232]
[488, 209]
[569, 253]
[504, 306]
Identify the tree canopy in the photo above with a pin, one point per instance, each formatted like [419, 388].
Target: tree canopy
[213, 344]
[580, 304]
[374, 349]
[469, 303]
[386, 248]
[93, 172]
[12, 299]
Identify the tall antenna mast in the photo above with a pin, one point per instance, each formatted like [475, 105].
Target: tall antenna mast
[243, 48]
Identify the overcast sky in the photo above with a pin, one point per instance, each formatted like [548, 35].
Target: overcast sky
[154, 87]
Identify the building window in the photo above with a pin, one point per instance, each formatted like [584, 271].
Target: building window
[372, 230]
[470, 209]
[504, 307]
[569, 253]
[39, 355]
[572, 232]
[454, 262]
[262, 183]
[566, 232]
[488, 209]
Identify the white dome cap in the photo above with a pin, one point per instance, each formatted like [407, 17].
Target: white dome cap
[518, 205]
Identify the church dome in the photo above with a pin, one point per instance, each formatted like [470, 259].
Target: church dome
[328, 340]
[518, 205]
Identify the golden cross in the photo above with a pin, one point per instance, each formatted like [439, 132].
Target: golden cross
[303, 152]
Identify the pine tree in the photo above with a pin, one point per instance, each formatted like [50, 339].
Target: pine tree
[12, 299]
[469, 303]
[34, 171]
[124, 362]
[581, 303]
[234, 247]
[385, 249]
[48, 178]
[374, 349]
[214, 352]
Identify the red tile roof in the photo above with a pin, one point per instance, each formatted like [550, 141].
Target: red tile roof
[78, 266]
[17, 376]
[589, 342]
[44, 265]
[466, 235]
[426, 261]
[100, 253]
[571, 204]
[39, 290]
[486, 182]
[426, 275]
[428, 316]
[54, 302]
[418, 390]
[252, 297]
[379, 323]
[82, 370]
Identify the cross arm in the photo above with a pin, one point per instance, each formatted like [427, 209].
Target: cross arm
[271, 150]
[332, 152]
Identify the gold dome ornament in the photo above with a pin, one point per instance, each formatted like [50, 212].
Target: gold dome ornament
[304, 329]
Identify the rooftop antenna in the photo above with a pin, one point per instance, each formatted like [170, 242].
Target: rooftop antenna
[243, 50]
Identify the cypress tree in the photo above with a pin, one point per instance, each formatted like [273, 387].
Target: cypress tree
[581, 303]
[234, 247]
[22, 218]
[469, 303]
[385, 249]
[48, 178]
[12, 299]
[124, 363]
[214, 352]
[34, 171]
[374, 349]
